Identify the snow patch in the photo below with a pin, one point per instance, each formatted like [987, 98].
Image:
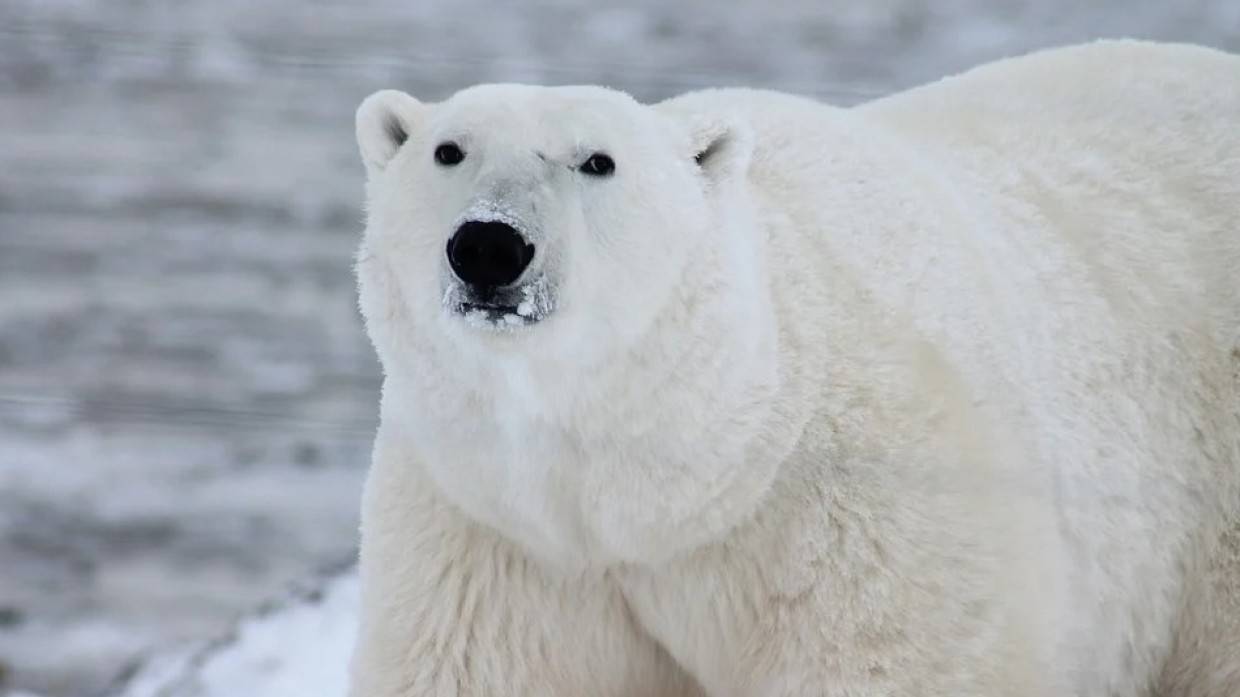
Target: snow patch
[297, 649]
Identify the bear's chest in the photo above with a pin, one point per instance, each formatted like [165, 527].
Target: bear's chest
[518, 476]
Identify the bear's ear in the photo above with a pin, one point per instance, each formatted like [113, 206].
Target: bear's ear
[385, 120]
[721, 146]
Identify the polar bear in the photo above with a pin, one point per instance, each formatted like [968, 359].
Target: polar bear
[741, 394]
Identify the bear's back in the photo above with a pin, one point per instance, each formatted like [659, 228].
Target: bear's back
[1129, 150]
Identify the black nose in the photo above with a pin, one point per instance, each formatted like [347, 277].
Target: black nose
[488, 253]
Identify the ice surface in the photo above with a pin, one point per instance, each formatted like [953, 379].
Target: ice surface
[186, 394]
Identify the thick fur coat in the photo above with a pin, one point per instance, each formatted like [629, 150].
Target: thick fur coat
[937, 395]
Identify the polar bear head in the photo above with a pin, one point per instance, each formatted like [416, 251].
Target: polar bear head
[552, 277]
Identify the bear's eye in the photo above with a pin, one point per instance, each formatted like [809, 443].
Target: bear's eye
[598, 165]
[448, 154]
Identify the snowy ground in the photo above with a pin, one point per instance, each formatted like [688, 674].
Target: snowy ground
[186, 396]
[296, 649]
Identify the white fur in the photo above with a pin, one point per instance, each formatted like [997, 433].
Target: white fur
[939, 395]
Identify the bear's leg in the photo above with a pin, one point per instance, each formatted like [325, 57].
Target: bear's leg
[1205, 658]
[451, 608]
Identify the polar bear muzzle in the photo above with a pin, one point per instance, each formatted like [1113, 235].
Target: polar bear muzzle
[487, 259]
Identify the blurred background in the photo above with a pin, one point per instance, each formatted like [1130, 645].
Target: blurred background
[186, 392]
